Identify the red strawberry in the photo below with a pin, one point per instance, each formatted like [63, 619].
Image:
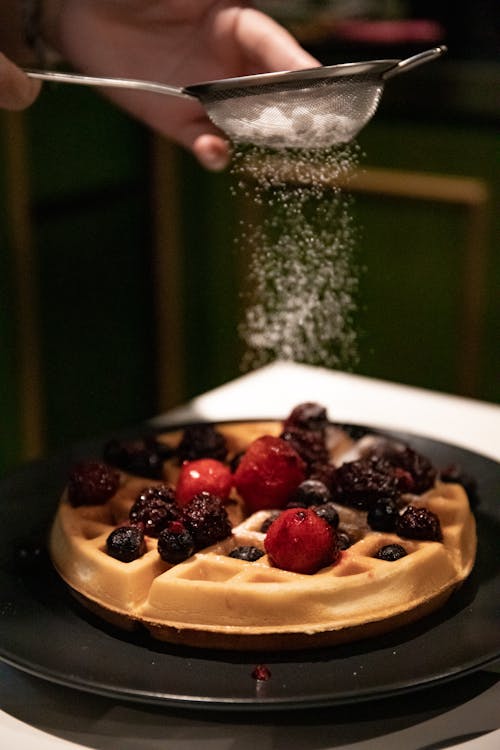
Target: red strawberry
[300, 541]
[268, 473]
[203, 475]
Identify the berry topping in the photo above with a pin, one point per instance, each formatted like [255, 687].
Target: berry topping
[329, 513]
[261, 673]
[126, 543]
[419, 523]
[142, 457]
[312, 492]
[415, 473]
[175, 543]
[154, 508]
[92, 483]
[300, 541]
[391, 552]
[201, 441]
[361, 483]
[383, 514]
[269, 473]
[309, 444]
[307, 416]
[203, 475]
[343, 540]
[206, 519]
[247, 553]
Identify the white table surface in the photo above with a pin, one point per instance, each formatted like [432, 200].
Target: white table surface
[463, 714]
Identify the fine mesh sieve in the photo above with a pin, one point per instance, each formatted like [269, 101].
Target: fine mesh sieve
[313, 108]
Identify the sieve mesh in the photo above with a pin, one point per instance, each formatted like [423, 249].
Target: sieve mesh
[302, 114]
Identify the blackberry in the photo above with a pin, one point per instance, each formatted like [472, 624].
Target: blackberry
[247, 553]
[383, 514]
[91, 483]
[154, 507]
[309, 444]
[391, 552]
[329, 513]
[143, 457]
[307, 416]
[361, 483]
[419, 523]
[271, 517]
[312, 492]
[175, 543]
[126, 543]
[422, 472]
[206, 519]
[201, 441]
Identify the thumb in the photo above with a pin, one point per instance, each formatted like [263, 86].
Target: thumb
[17, 91]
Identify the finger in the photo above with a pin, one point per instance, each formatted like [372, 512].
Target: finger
[212, 151]
[17, 91]
[268, 44]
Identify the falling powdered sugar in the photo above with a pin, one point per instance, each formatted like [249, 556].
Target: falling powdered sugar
[302, 280]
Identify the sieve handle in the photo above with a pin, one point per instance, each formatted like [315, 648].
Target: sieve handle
[121, 83]
[412, 62]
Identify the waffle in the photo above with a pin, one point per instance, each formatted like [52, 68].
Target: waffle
[212, 600]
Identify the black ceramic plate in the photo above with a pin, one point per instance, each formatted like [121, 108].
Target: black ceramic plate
[44, 632]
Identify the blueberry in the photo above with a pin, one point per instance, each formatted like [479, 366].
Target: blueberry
[126, 543]
[383, 514]
[312, 492]
[391, 552]
[175, 543]
[247, 553]
[329, 513]
[343, 540]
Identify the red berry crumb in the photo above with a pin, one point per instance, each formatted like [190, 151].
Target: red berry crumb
[261, 673]
[300, 541]
[203, 475]
[269, 473]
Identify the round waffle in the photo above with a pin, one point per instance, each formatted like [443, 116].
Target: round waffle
[214, 600]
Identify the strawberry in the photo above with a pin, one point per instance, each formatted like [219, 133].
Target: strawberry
[300, 541]
[203, 475]
[269, 473]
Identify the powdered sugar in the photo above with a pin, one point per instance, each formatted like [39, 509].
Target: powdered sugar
[302, 280]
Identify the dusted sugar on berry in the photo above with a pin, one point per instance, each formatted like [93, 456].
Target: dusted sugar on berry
[301, 542]
[203, 475]
[361, 483]
[307, 416]
[154, 508]
[175, 543]
[269, 473]
[206, 520]
[126, 543]
[391, 552]
[419, 523]
[92, 483]
[201, 440]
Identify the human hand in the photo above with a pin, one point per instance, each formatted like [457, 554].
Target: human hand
[177, 42]
[17, 91]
